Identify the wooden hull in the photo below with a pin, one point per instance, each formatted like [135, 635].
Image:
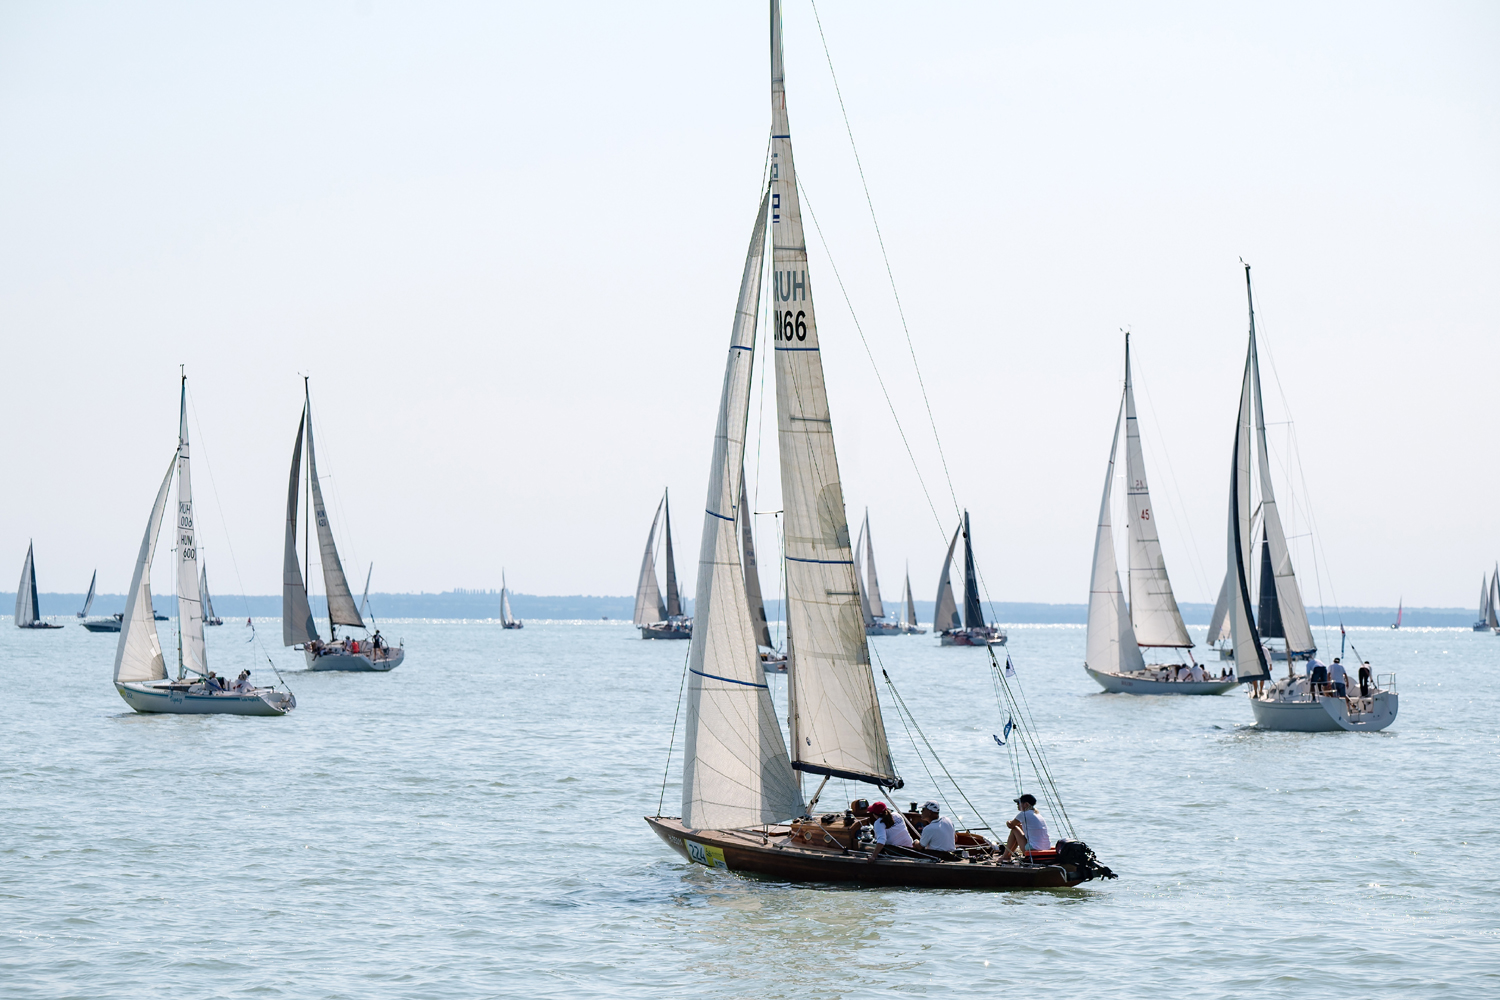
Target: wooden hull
[1141, 684]
[744, 851]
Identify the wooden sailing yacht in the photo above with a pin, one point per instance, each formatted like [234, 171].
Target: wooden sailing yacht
[507, 620]
[297, 626]
[1117, 633]
[28, 606]
[868, 582]
[742, 805]
[1288, 704]
[656, 616]
[140, 670]
[972, 630]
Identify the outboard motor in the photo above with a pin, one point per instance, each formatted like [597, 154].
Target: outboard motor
[1076, 854]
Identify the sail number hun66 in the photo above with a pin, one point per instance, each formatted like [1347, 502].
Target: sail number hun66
[791, 326]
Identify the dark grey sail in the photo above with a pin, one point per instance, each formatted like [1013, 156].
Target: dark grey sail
[88, 602]
[973, 613]
[1268, 614]
[674, 599]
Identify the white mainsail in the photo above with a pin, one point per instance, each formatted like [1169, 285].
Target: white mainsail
[649, 607]
[341, 609]
[138, 651]
[1249, 655]
[88, 602]
[945, 608]
[1111, 645]
[871, 581]
[837, 729]
[505, 615]
[296, 615]
[28, 609]
[194, 656]
[752, 570]
[1153, 608]
[736, 772]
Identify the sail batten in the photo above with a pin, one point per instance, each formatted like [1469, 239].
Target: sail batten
[1110, 644]
[836, 720]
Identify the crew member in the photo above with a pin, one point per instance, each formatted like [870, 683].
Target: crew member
[889, 828]
[1028, 831]
[937, 830]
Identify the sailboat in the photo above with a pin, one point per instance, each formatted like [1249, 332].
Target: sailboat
[28, 607]
[209, 618]
[140, 670]
[1492, 607]
[742, 804]
[1482, 623]
[972, 630]
[1117, 633]
[88, 600]
[1288, 704]
[297, 626]
[908, 610]
[656, 616]
[865, 578]
[1397, 623]
[507, 620]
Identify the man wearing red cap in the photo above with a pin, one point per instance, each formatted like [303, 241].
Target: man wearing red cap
[889, 829]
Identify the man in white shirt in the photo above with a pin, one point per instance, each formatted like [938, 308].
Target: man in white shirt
[937, 833]
[889, 828]
[1028, 831]
[1340, 678]
[1196, 673]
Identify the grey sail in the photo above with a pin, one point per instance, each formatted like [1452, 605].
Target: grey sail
[973, 613]
[88, 602]
[28, 610]
[872, 582]
[674, 596]
[859, 583]
[1268, 611]
[649, 607]
[364, 599]
[1492, 612]
[1218, 623]
[945, 609]
[341, 609]
[906, 599]
[752, 570]
[837, 729]
[1249, 656]
[505, 616]
[296, 615]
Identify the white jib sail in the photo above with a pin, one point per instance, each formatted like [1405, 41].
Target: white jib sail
[341, 608]
[1111, 644]
[208, 601]
[185, 541]
[837, 727]
[296, 615]
[859, 583]
[138, 651]
[1299, 637]
[1491, 616]
[649, 608]
[736, 772]
[752, 569]
[1153, 608]
[872, 582]
[1249, 657]
[505, 615]
[88, 602]
[945, 608]
[26, 601]
[1218, 623]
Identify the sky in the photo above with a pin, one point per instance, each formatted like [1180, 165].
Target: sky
[504, 242]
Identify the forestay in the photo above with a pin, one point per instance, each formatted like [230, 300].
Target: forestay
[296, 615]
[1153, 607]
[945, 609]
[138, 651]
[1111, 643]
[649, 608]
[736, 771]
[836, 725]
[185, 541]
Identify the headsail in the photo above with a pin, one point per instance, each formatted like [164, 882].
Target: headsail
[973, 612]
[674, 592]
[859, 582]
[1111, 644]
[910, 606]
[28, 609]
[505, 616]
[735, 772]
[88, 602]
[945, 609]
[1153, 607]
[872, 582]
[837, 728]
[649, 607]
[185, 542]
[1249, 656]
[752, 570]
[208, 602]
[1492, 610]
[341, 609]
[1268, 609]
[296, 615]
[1218, 624]
[138, 651]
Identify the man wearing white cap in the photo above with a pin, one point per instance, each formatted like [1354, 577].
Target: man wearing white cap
[937, 831]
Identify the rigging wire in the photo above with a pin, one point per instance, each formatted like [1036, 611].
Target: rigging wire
[667, 768]
[1029, 743]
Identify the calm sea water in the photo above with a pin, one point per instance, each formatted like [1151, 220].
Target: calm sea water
[470, 826]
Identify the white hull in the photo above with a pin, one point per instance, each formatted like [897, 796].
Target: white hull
[1327, 714]
[883, 628]
[1142, 683]
[972, 637]
[163, 697]
[336, 659]
[663, 630]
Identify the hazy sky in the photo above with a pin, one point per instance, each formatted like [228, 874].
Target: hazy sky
[505, 242]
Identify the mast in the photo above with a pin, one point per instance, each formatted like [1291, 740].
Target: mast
[1110, 646]
[837, 726]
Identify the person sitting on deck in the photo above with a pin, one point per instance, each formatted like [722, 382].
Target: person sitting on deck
[937, 830]
[353, 645]
[889, 828]
[1197, 674]
[242, 682]
[1028, 831]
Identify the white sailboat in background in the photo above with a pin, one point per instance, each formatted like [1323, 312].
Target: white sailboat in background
[658, 616]
[28, 606]
[1288, 704]
[140, 670]
[88, 601]
[507, 620]
[297, 626]
[771, 658]
[1492, 607]
[868, 582]
[209, 618]
[1486, 606]
[1116, 632]
[908, 610]
[972, 630]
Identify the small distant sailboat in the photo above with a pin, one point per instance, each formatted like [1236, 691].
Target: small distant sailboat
[1482, 623]
[1398, 612]
[908, 608]
[1116, 633]
[972, 630]
[1492, 607]
[507, 620]
[28, 607]
[140, 671]
[658, 616]
[1289, 704]
[209, 618]
[88, 601]
[297, 627]
[868, 583]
